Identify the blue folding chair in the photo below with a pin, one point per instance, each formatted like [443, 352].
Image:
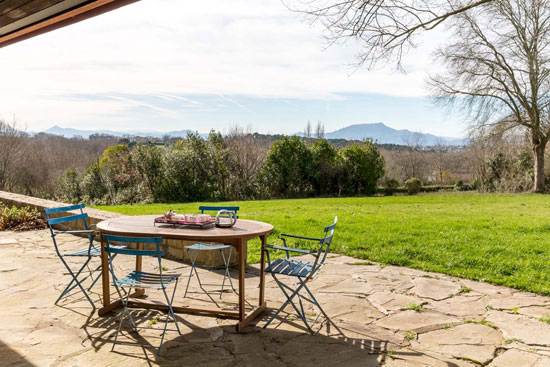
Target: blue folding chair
[141, 280]
[194, 250]
[87, 253]
[301, 271]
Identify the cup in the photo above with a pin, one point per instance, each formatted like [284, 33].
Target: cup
[202, 218]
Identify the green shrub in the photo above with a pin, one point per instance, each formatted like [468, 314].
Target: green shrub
[391, 186]
[20, 219]
[69, 186]
[286, 171]
[437, 188]
[363, 166]
[413, 185]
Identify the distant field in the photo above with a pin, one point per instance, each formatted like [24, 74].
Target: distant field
[503, 239]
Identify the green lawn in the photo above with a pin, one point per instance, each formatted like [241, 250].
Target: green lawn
[502, 239]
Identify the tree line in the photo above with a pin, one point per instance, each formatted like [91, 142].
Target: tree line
[235, 167]
[243, 165]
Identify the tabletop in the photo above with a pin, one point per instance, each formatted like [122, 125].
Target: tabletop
[143, 225]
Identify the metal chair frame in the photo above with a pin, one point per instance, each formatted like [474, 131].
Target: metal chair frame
[139, 280]
[91, 251]
[196, 248]
[302, 271]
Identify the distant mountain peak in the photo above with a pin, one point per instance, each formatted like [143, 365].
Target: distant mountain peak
[383, 134]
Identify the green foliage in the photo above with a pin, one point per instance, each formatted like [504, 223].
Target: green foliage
[119, 174]
[364, 166]
[413, 186]
[324, 168]
[391, 185]
[69, 185]
[92, 185]
[20, 219]
[286, 171]
[507, 173]
[418, 307]
[209, 169]
[149, 165]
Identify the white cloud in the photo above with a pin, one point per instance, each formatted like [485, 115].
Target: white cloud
[168, 47]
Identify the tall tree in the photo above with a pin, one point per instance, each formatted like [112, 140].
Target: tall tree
[498, 71]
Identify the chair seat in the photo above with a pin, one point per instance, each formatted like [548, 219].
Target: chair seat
[296, 268]
[207, 246]
[94, 251]
[140, 279]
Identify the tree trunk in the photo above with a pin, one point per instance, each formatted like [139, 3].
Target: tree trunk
[539, 149]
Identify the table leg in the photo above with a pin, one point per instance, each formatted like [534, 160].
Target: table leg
[139, 266]
[242, 265]
[105, 278]
[262, 273]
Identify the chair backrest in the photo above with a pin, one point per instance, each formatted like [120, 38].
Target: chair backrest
[327, 240]
[157, 252]
[110, 249]
[68, 218]
[233, 209]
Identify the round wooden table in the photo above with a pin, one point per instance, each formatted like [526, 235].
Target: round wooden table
[237, 236]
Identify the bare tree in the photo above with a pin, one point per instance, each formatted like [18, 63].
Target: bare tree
[11, 142]
[248, 153]
[412, 158]
[385, 28]
[498, 71]
[319, 130]
[307, 130]
[441, 151]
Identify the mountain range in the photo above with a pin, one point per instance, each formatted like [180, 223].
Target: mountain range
[379, 132]
[383, 134]
[71, 133]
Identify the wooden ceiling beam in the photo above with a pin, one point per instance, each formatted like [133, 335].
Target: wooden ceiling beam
[66, 18]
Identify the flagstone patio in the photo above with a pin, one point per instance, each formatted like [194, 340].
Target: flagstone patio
[390, 316]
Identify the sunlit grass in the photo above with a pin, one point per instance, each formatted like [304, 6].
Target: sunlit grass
[503, 239]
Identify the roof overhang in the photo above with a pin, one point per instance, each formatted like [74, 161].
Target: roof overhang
[23, 19]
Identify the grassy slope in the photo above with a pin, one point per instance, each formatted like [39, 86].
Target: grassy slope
[503, 239]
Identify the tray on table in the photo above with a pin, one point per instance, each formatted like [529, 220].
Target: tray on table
[183, 222]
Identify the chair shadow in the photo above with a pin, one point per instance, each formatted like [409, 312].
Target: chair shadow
[257, 344]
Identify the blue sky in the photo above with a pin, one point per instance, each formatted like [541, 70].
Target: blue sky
[168, 65]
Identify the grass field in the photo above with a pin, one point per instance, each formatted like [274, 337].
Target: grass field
[502, 239]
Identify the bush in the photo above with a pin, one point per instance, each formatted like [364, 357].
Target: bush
[69, 186]
[287, 169]
[391, 186]
[20, 219]
[436, 188]
[413, 186]
[363, 167]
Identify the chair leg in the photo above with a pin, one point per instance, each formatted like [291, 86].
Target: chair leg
[97, 278]
[194, 268]
[190, 272]
[169, 314]
[98, 275]
[226, 274]
[124, 313]
[75, 279]
[319, 306]
[289, 300]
